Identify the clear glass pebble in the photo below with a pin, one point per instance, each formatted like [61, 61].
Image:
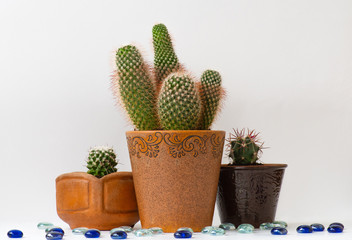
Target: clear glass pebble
[186, 229]
[92, 233]
[245, 228]
[217, 231]
[44, 225]
[337, 223]
[117, 229]
[280, 224]
[304, 229]
[335, 229]
[118, 234]
[317, 227]
[278, 231]
[156, 230]
[54, 235]
[143, 232]
[127, 229]
[266, 226]
[227, 226]
[15, 233]
[183, 234]
[207, 229]
[79, 231]
[55, 229]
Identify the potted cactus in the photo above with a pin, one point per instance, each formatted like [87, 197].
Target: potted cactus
[175, 158]
[248, 190]
[102, 198]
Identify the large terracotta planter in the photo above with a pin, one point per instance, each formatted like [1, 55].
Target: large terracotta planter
[175, 176]
[249, 194]
[83, 200]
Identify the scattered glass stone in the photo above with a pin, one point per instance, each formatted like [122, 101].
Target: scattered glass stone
[278, 231]
[337, 223]
[118, 235]
[127, 229]
[55, 229]
[156, 230]
[245, 228]
[143, 232]
[280, 224]
[54, 235]
[317, 227]
[92, 233]
[44, 225]
[79, 231]
[217, 231]
[335, 229]
[207, 229]
[186, 229]
[14, 233]
[266, 226]
[227, 226]
[183, 234]
[117, 229]
[304, 229]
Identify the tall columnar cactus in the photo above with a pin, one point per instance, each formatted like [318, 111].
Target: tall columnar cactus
[165, 59]
[101, 161]
[179, 103]
[211, 93]
[244, 148]
[136, 88]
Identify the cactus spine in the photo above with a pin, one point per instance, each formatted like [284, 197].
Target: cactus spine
[136, 88]
[165, 59]
[101, 161]
[179, 103]
[210, 91]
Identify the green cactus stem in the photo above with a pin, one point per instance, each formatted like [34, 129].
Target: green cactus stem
[179, 103]
[136, 88]
[101, 161]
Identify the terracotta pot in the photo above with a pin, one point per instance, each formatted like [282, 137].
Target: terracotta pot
[175, 176]
[83, 200]
[249, 194]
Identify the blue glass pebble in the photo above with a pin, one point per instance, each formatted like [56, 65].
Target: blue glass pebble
[337, 223]
[317, 227]
[92, 233]
[15, 233]
[55, 229]
[183, 234]
[54, 235]
[335, 229]
[278, 231]
[118, 235]
[304, 229]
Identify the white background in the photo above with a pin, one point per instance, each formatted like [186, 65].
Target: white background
[286, 66]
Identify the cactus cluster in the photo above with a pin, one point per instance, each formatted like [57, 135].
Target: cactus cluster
[169, 99]
[101, 161]
[244, 147]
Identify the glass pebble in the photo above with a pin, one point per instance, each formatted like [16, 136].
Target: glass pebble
[337, 223]
[227, 226]
[217, 231]
[278, 231]
[317, 227]
[55, 229]
[186, 229]
[79, 231]
[54, 235]
[183, 234]
[245, 228]
[280, 224]
[143, 232]
[14, 233]
[207, 229]
[127, 229]
[156, 230]
[117, 229]
[118, 235]
[92, 233]
[335, 229]
[304, 229]
[44, 225]
[266, 226]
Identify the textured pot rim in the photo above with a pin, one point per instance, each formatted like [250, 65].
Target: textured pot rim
[93, 178]
[174, 131]
[226, 167]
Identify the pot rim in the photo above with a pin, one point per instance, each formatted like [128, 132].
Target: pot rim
[174, 131]
[253, 167]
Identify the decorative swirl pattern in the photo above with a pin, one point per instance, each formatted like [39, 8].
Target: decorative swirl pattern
[149, 146]
[217, 144]
[179, 148]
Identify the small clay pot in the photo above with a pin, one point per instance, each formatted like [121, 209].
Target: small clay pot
[83, 200]
[175, 176]
[249, 194]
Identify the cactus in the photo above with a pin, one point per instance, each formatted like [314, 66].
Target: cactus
[165, 59]
[210, 92]
[244, 148]
[101, 161]
[179, 104]
[136, 88]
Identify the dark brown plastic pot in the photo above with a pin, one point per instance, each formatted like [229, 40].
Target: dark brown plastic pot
[83, 200]
[249, 194]
[175, 175]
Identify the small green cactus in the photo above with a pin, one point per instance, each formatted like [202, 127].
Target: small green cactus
[136, 88]
[179, 104]
[165, 59]
[101, 161]
[244, 147]
[211, 93]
